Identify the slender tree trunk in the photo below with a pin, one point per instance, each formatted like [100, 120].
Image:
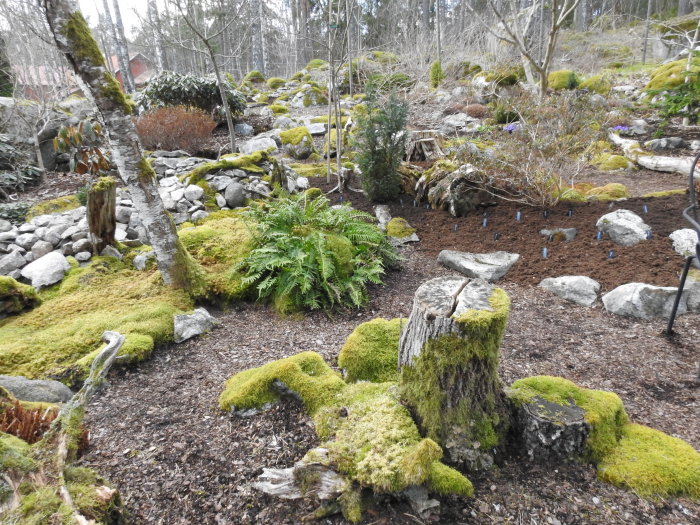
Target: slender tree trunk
[154, 19]
[73, 38]
[123, 49]
[122, 65]
[256, 34]
[683, 7]
[438, 28]
[646, 32]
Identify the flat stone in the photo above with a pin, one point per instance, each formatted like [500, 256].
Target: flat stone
[83, 256]
[624, 227]
[643, 301]
[123, 214]
[220, 182]
[46, 270]
[575, 288]
[141, 260]
[199, 215]
[316, 129]
[12, 261]
[187, 326]
[29, 227]
[220, 200]
[257, 144]
[82, 245]
[111, 251]
[26, 240]
[5, 226]
[243, 129]
[8, 236]
[178, 194]
[487, 266]
[193, 193]
[41, 248]
[37, 390]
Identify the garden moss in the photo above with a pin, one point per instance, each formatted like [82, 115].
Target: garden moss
[665, 193]
[15, 296]
[57, 205]
[671, 74]
[81, 41]
[371, 351]
[597, 84]
[612, 191]
[652, 463]
[563, 79]
[398, 227]
[248, 163]
[275, 82]
[296, 135]
[609, 162]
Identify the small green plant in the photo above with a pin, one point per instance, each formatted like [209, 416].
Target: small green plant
[681, 101]
[85, 143]
[307, 255]
[380, 144]
[82, 194]
[437, 75]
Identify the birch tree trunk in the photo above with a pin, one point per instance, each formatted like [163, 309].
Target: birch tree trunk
[154, 19]
[448, 357]
[256, 33]
[123, 50]
[73, 38]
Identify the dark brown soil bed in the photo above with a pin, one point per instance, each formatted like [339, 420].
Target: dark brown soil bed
[158, 434]
[652, 261]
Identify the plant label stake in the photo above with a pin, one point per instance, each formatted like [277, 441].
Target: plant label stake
[648, 234]
[415, 203]
[518, 215]
[545, 252]
[341, 198]
[456, 227]
[496, 236]
[569, 212]
[545, 213]
[550, 237]
[401, 202]
[427, 206]
[611, 254]
[645, 208]
[599, 236]
[485, 222]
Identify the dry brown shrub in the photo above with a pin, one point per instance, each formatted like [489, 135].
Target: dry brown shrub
[176, 127]
[26, 424]
[476, 110]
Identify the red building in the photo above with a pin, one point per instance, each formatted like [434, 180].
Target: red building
[141, 69]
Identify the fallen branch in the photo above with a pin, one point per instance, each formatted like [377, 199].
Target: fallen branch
[633, 151]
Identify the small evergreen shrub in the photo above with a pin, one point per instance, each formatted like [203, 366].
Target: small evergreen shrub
[174, 128]
[380, 144]
[307, 255]
[437, 75]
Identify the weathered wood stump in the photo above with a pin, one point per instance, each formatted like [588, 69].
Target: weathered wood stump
[549, 431]
[424, 145]
[101, 209]
[448, 357]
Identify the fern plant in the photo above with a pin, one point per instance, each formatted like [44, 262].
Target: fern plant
[308, 255]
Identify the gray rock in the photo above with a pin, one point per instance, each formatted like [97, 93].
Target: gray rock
[141, 260]
[694, 146]
[639, 127]
[29, 227]
[220, 182]
[82, 245]
[169, 182]
[243, 129]
[38, 390]
[199, 215]
[47, 270]
[568, 233]
[8, 236]
[284, 123]
[575, 288]
[316, 129]
[644, 301]
[666, 143]
[177, 194]
[169, 203]
[83, 256]
[487, 266]
[41, 248]
[12, 261]
[684, 241]
[300, 151]
[193, 193]
[623, 227]
[26, 240]
[302, 183]
[82, 234]
[258, 111]
[383, 215]
[111, 251]
[5, 226]
[598, 100]
[67, 249]
[258, 144]
[190, 325]
[123, 214]
[69, 232]
[220, 200]
[170, 154]
[235, 195]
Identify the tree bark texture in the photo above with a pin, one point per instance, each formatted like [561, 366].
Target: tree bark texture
[73, 38]
[448, 357]
[123, 50]
[101, 208]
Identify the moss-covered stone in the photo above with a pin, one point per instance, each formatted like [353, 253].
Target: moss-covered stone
[609, 162]
[398, 227]
[563, 79]
[371, 351]
[323, 119]
[671, 75]
[604, 411]
[295, 135]
[254, 76]
[609, 192]
[15, 454]
[279, 109]
[306, 374]
[665, 193]
[68, 325]
[15, 297]
[316, 63]
[275, 82]
[597, 84]
[248, 163]
[652, 463]
[57, 205]
[313, 193]
[505, 75]
[384, 57]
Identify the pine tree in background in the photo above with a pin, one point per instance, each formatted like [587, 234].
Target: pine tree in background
[381, 143]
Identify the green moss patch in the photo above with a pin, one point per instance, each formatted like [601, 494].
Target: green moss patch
[305, 374]
[608, 162]
[311, 169]
[665, 193]
[295, 135]
[608, 192]
[597, 84]
[15, 297]
[652, 463]
[398, 227]
[563, 79]
[275, 82]
[82, 43]
[279, 109]
[604, 411]
[248, 163]
[15, 454]
[68, 325]
[671, 75]
[323, 119]
[371, 351]
[316, 63]
[254, 76]
[57, 205]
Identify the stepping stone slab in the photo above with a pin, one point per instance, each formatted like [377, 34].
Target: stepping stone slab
[643, 301]
[575, 288]
[624, 227]
[487, 266]
[38, 390]
[187, 326]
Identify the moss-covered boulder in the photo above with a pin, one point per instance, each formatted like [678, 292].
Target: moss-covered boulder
[612, 191]
[16, 297]
[275, 82]
[316, 63]
[563, 79]
[371, 351]
[597, 84]
[56, 205]
[255, 76]
[610, 162]
[671, 74]
[297, 142]
[399, 228]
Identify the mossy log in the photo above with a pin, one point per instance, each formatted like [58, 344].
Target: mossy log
[101, 213]
[634, 152]
[424, 145]
[448, 356]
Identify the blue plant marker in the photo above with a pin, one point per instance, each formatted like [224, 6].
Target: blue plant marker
[648, 234]
[485, 222]
[599, 236]
[611, 254]
[545, 213]
[545, 252]
[496, 236]
[341, 198]
[645, 208]
[518, 215]
[456, 227]
[569, 212]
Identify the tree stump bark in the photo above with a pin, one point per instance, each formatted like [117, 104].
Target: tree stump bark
[424, 145]
[448, 357]
[101, 210]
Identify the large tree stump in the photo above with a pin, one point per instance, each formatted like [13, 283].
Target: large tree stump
[448, 357]
[424, 145]
[101, 213]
